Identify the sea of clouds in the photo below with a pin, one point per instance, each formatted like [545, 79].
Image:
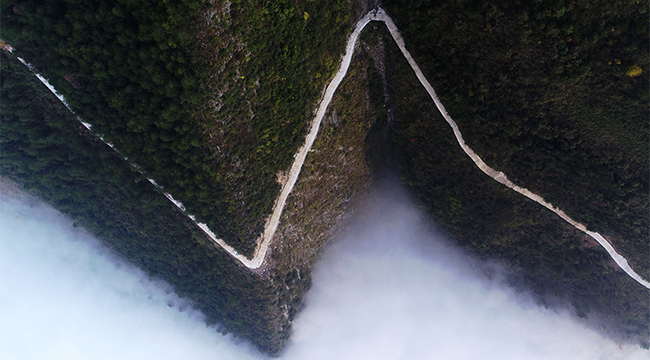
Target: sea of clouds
[388, 288]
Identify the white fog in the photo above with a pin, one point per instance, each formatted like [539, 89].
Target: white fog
[388, 288]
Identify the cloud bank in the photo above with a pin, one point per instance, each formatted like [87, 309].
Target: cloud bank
[389, 288]
[393, 289]
[62, 296]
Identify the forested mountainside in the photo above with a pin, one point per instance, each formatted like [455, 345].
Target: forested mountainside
[47, 151]
[555, 95]
[211, 99]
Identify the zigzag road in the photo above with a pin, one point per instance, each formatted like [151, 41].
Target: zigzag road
[272, 222]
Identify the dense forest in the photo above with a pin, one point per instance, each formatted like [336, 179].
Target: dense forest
[50, 154]
[47, 151]
[554, 94]
[210, 99]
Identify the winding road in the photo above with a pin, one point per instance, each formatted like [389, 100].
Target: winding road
[272, 222]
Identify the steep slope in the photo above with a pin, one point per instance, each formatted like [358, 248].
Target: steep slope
[549, 255]
[258, 305]
[210, 99]
[46, 151]
[577, 137]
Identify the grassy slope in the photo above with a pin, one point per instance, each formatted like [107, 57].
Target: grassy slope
[334, 174]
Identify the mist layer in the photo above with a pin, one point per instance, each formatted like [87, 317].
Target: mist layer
[64, 296]
[389, 288]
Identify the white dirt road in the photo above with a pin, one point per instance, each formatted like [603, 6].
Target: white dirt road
[272, 222]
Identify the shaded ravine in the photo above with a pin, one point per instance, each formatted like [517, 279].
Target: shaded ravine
[263, 243]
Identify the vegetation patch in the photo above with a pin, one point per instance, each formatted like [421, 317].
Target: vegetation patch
[210, 99]
[533, 95]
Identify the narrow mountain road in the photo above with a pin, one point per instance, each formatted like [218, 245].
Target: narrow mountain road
[272, 222]
[498, 175]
